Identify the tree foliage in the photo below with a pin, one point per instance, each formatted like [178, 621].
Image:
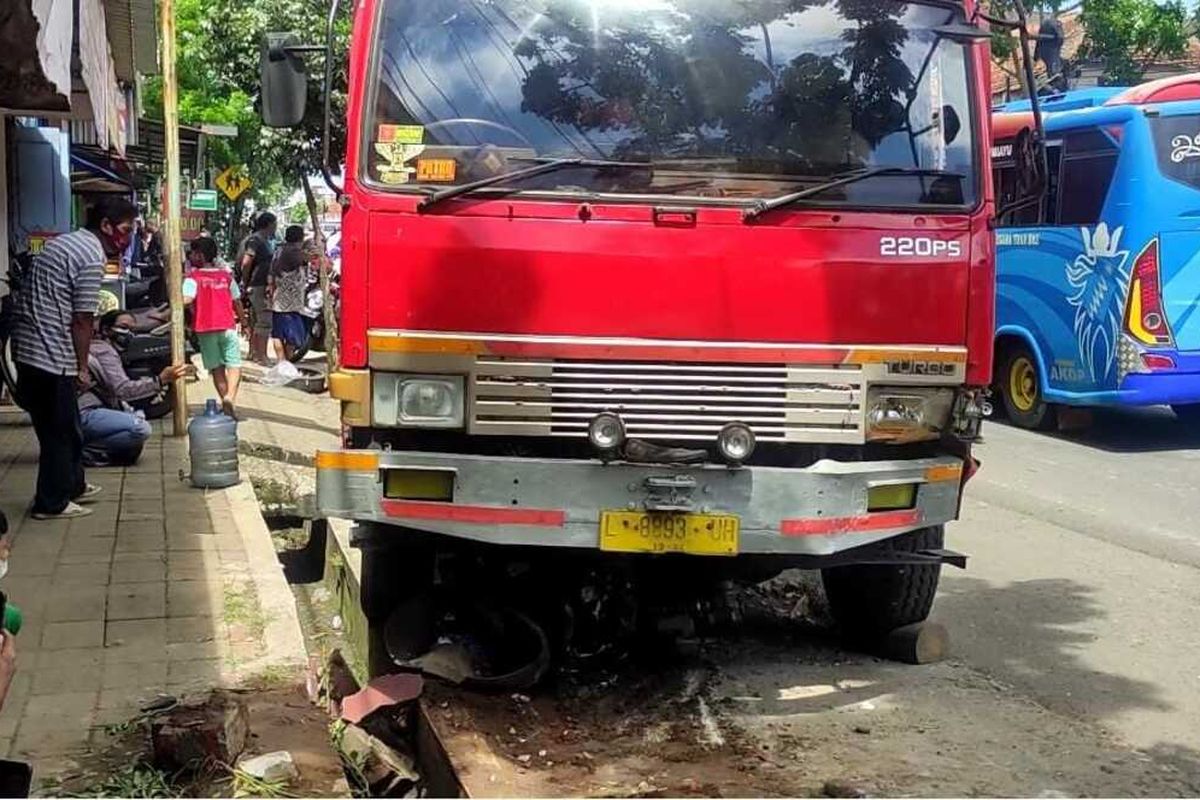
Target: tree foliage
[1127, 36]
[218, 62]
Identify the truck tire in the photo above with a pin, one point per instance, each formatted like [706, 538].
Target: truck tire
[869, 600]
[1019, 384]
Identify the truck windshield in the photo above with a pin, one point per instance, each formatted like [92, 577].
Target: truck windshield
[723, 99]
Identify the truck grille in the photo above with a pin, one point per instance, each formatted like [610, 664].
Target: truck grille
[667, 401]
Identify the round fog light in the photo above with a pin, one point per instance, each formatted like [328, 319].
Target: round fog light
[736, 442]
[606, 431]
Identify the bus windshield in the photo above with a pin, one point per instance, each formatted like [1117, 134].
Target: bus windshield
[721, 99]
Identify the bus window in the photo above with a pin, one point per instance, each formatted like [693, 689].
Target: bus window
[1177, 144]
[1087, 172]
[1053, 163]
[1007, 189]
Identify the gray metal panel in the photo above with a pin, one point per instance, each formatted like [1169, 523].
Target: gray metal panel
[132, 37]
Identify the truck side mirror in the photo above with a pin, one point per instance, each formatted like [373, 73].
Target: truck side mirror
[284, 81]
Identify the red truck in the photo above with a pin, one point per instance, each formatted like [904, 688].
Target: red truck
[710, 283]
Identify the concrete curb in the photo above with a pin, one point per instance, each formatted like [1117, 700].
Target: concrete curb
[273, 452]
[282, 635]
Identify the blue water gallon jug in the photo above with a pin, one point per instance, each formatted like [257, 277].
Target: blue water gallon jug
[213, 445]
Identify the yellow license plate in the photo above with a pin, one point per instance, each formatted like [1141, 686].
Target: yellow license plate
[695, 534]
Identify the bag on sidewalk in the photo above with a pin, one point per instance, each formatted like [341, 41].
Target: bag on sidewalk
[281, 374]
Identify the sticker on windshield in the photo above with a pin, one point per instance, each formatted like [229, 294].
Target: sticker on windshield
[401, 134]
[394, 169]
[436, 169]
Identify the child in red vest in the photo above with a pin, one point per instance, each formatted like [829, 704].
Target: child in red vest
[212, 293]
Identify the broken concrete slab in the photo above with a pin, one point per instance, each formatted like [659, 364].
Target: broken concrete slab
[271, 767]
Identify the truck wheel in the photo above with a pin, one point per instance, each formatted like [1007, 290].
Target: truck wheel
[869, 600]
[1020, 388]
[396, 567]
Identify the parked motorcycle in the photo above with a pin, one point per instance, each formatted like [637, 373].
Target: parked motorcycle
[147, 353]
[17, 267]
[314, 314]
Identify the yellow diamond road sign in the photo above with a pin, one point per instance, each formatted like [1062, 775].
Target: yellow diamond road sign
[234, 183]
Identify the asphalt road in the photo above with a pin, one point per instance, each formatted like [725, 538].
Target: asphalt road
[1083, 587]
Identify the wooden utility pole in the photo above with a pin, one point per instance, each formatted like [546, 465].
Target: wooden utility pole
[329, 316]
[172, 240]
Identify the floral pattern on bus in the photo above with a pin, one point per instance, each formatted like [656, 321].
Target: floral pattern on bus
[1099, 277]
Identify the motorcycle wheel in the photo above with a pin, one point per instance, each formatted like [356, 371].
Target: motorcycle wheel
[161, 407]
[8, 368]
[315, 341]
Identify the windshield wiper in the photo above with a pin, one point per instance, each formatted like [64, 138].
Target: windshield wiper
[764, 206]
[551, 165]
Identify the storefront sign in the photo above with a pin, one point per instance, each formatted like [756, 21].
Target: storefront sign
[203, 200]
[191, 222]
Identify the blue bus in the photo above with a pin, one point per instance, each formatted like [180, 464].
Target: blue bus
[1098, 286]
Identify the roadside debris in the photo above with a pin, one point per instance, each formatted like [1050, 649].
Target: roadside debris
[276, 767]
[838, 788]
[193, 735]
[380, 769]
[382, 692]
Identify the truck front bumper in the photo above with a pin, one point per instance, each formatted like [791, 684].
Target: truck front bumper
[818, 510]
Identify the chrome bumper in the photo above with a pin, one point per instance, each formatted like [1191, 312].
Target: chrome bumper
[818, 510]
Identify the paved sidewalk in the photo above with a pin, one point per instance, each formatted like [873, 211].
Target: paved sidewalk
[165, 589]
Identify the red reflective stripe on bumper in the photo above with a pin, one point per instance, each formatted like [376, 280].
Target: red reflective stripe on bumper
[881, 520]
[474, 515]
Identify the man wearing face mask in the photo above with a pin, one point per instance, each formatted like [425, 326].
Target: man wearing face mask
[51, 340]
[113, 433]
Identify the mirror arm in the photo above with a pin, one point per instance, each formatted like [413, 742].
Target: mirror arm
[277, 53]
[1017, 205]
[999, 22]
[326, 172]
[1035, 106]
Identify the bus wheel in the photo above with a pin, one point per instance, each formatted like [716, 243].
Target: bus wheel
[1187, 414]
[870, 600]
[1020, 388]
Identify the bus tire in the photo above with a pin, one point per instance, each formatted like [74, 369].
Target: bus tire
[1188, 414]
[870, 600]
[1019, 384]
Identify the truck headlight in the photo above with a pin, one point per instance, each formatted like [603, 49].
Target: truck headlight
[896, 414]
[430, 401]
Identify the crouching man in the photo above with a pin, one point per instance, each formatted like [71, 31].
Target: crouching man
[113, 433]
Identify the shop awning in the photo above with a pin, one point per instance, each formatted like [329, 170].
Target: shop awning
[94, 170]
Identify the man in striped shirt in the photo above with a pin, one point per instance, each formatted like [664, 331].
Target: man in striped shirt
[53, 332]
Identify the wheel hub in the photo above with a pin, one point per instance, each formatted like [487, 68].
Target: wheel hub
[1022, 384]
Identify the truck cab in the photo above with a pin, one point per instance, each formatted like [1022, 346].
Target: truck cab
[693, 284]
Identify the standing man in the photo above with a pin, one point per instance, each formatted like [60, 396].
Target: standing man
[256, 271]
[51, 340]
